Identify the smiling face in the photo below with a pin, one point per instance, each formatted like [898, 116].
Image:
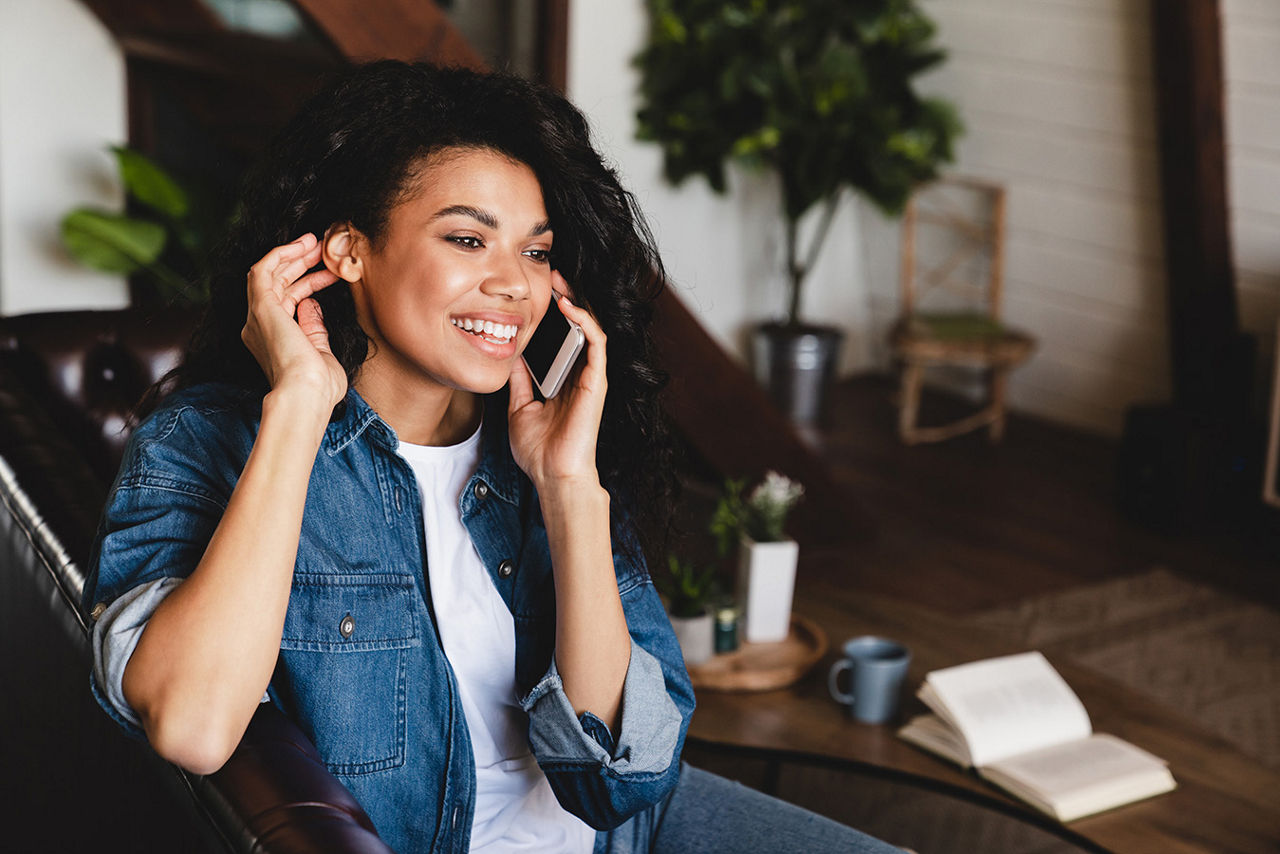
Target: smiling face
[451, 293]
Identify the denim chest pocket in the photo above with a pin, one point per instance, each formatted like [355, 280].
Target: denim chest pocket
[344, 647]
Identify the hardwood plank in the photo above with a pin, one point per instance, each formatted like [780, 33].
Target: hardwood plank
[964, 525]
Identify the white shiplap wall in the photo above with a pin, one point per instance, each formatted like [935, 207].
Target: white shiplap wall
[1251, 32]
[1058, 99]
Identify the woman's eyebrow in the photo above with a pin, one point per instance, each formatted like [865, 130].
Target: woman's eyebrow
[485, 218]
[481, 216]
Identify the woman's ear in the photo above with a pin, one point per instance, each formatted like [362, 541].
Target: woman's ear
[341, 253]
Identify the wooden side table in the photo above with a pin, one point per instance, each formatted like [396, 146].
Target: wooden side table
[1225, 800]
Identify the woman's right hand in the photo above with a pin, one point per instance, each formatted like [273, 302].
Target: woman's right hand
[285, 329]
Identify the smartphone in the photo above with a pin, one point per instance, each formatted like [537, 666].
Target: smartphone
[553, 348]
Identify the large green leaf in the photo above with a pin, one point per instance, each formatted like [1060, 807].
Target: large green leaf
[112, 243]
[150, 184]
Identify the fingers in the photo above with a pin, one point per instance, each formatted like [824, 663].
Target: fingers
[279, 288]
[311, 322]
[520, 392]
[309, 284]
[289, 270]
[282, 254]
[282, 265]
[594, 370]
[560, 285]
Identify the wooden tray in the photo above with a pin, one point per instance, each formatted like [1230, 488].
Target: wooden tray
[764, 666]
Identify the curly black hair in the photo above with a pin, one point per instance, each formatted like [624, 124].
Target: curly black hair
[352, 153]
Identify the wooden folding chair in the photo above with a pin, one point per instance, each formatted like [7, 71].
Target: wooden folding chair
[952, 277]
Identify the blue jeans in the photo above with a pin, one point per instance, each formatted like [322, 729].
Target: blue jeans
[706, 814]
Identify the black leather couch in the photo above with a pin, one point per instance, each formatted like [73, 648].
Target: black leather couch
[71, 780]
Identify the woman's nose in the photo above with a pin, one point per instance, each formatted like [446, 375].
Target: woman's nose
[507, 278]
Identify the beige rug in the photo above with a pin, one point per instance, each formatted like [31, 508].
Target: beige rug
[1212, 656]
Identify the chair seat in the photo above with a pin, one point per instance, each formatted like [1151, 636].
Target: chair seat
[973, 338]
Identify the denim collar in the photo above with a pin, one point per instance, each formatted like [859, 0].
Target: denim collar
[354, 416]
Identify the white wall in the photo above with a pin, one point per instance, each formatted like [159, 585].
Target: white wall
[62, 102]
[1058, 99]
[723, 253]
[1251, 32]
[1059, 102]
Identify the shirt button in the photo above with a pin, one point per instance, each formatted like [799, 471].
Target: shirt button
[97, 610]
[506, 568]
[454, 820]
[347, 627]
[399, 498]
[481, 490]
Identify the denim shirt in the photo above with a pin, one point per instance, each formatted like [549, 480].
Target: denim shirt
[361, 667]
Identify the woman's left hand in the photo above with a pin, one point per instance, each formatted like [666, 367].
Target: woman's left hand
[554, 441]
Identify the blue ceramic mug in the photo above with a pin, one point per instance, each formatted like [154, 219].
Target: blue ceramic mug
[876, 668]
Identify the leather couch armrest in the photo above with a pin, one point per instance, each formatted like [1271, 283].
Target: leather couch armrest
[276, 795]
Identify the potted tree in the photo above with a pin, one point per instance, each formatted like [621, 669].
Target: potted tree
[820, 93]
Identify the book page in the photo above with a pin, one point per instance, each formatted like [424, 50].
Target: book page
[937, 736]
[1006, 706]
[1082, 777]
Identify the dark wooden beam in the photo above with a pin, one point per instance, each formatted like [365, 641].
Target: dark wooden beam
[237, 86]
[728, 419]
[1207, 374]
[127, 17]
[409, 30]
[553, 42]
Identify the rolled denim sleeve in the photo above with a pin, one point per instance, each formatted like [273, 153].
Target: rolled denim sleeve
[650, 722]
[174, 483]
[115, 636]
[602, 781]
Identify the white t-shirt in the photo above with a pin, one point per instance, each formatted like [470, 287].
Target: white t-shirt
[515, 808]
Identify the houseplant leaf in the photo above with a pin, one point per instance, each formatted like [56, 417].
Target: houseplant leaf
[112, 243]
[151, 184]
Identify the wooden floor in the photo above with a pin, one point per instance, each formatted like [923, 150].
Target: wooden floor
[965, 525]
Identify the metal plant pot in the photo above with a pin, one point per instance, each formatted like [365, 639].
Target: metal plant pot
[796, 364]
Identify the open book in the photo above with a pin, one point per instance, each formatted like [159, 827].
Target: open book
[1017, 722]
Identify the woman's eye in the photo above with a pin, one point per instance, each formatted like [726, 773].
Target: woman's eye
[542, 256]
[466, 240]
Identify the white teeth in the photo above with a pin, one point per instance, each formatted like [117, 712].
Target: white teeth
[501, 332]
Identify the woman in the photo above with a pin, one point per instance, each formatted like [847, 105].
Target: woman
[350, 502]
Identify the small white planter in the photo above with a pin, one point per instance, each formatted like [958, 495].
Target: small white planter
[696, 636]
[766, 581]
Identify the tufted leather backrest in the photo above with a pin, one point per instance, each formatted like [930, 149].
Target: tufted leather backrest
[89, 369]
